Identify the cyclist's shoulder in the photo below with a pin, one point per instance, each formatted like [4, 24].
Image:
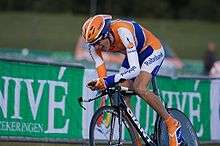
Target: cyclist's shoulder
[118, 23]
[127, 23]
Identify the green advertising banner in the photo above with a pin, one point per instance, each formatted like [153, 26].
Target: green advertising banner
[40, 100]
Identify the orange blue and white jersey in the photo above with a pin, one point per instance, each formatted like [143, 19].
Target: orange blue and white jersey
[143, 51]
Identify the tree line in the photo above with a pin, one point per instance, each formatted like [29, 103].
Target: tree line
[172, 9]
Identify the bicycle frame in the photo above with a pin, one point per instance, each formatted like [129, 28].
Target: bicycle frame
[117, 96]
[119, 102]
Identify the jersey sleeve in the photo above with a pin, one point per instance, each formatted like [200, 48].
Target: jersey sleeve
[132, 55]
[99, 63]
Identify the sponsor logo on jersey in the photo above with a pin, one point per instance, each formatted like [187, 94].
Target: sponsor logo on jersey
[129, 70]
[131, 51]
[150, 60]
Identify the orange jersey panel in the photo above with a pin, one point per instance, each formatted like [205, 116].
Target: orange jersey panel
[142, 36]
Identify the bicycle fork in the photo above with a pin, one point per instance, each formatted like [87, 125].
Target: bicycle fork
[119, 130]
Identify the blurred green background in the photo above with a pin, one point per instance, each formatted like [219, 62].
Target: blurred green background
[186, 25]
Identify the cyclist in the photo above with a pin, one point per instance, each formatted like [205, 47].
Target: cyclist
[144, 55]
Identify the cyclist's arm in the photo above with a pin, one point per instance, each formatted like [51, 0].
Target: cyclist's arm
[132, 55]
[99, 63]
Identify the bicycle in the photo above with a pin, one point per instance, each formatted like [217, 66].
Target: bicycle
[122, 119]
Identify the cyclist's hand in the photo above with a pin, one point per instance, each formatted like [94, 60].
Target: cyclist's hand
[98, 84]
[91, 85]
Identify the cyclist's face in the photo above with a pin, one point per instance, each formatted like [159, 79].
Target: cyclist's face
[103, 44]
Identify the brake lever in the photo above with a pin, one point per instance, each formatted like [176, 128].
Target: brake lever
[80, 100]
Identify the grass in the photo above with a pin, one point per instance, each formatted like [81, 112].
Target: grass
[39, 31]
[60, 32]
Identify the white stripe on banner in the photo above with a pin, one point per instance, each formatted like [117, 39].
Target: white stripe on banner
[89, 74]
[215, 109]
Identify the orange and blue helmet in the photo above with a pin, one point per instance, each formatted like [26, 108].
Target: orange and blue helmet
[96, 28]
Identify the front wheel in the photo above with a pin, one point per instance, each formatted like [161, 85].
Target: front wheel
[189, 134]
[105, 128]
